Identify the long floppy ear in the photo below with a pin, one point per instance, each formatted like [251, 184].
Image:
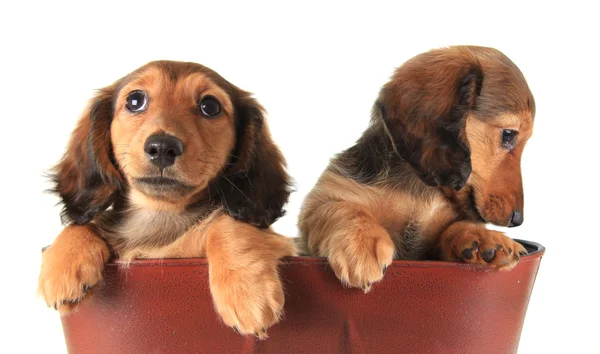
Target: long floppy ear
[86, 178]
[423, 110]
[256, 186]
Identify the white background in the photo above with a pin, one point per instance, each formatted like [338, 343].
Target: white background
[317, 68]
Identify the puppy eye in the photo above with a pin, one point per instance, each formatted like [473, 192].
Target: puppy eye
[136, 101]
[509, 138]
[209, 107]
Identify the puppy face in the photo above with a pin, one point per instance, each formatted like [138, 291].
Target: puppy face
[461, 117]
[497, 144]
[169, 135]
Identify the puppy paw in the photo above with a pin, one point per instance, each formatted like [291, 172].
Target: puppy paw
[249, 300]
[482, 246]
[360, 259]
[244, 279]
[71, 267]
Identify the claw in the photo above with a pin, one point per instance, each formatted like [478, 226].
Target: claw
[488, 255]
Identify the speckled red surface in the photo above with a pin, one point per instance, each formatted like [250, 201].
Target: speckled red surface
[164, 306]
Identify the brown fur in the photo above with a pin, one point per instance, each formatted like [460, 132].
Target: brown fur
[72, 266]
[428, 172]
[231, 185]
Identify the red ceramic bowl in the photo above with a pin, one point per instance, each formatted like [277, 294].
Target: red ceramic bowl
[164, 306]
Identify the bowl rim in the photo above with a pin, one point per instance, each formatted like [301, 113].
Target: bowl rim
[536, 251]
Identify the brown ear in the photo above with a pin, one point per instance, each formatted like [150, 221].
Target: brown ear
[86, 178]
[256, 186]
[424, 109]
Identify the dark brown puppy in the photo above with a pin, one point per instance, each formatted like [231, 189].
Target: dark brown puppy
[173, 161]
[440, 159]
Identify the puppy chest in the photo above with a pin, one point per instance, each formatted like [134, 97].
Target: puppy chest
[416, 232]
[149, 228]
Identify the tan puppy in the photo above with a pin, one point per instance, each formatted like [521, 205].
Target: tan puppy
[173, 161]
[440, 159]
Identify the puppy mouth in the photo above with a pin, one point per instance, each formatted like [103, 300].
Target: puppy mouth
[163, 185]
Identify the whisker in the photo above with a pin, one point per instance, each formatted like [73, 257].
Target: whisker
[236, 187]
[223, 199]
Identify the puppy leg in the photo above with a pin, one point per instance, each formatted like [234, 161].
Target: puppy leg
[473, 243]
[71, 267]
[244, 281]
[359, 250]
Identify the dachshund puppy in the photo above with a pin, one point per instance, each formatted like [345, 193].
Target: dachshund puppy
[440, 158]
[173, 161]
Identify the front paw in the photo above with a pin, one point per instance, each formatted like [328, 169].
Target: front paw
[488, 247]
[71, 267]
[249, 299]
[361, 258]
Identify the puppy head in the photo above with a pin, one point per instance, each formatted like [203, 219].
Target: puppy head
[167, 135]
[461, 116]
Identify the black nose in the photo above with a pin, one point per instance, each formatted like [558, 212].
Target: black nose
[517, 218]
[162, 150]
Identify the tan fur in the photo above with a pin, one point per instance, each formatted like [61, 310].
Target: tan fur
[352, 223]
[243, 263]
[389, 207]
[207, 142]
[496, 175]
[356, 225]
[148, 225]
[71, 266]
[429, 170]
[221, 206]
[466, 235]
[244, 279]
